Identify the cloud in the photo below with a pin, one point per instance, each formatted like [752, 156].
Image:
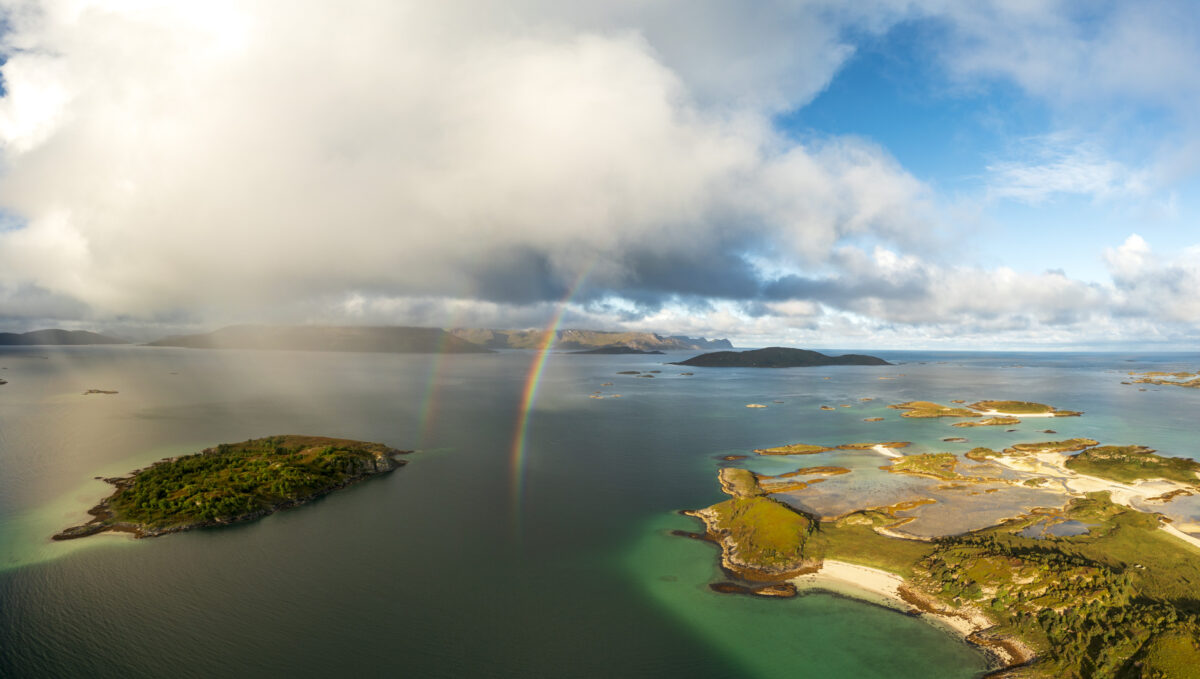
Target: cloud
[229, 159]
[1152, 285]
[1071, 54]
[1058, 164]
[467, 163]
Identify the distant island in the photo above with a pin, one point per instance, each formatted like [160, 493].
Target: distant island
[777, 357]
[56, 337]
[1171, 379]
[617, 349]
[232, 483]
[567, 340]
[390, 339]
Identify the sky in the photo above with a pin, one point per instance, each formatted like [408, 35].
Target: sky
[876, 174]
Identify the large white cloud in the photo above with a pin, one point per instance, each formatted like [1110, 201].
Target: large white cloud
[171, 156]
[465, 163]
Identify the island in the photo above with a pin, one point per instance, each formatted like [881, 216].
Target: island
[616, 349]
[1190, 380]
[232, 483]
[1091, 585]
[998, 412]
[777, 357]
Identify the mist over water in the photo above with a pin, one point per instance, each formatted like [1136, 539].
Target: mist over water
[438, 569]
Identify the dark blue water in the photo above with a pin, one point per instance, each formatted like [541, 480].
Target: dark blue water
[442, 569]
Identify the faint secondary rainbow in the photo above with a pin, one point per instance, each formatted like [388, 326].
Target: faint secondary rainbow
[429, 401]
[529, 396]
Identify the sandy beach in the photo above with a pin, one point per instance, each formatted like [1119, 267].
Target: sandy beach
[885, 451]
[881, 587]
[888, 589]
[997, 413]
[885, 588]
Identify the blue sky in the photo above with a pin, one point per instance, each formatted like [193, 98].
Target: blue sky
[891, 173]
[952, 135]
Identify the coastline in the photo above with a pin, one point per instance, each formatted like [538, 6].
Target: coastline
[892, 591]
[885, 451]
[106, 520]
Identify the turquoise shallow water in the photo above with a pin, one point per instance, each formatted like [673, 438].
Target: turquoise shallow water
[439, 569]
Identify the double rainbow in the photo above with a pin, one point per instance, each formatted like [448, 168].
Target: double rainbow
[533, 378]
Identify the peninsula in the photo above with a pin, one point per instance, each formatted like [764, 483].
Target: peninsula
[233, 482]
[777, 357]
[1094, 586]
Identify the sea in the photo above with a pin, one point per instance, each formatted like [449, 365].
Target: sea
[529, 535]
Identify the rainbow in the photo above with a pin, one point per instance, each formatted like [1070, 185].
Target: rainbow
[432, 392]
[529, 396]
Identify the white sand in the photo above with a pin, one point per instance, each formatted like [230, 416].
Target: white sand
[997, 413]
[1052, 466]
[884, 450]
[872, 580]
[883, 587]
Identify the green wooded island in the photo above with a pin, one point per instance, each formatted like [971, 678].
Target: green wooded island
[777, 357]
[232, 483]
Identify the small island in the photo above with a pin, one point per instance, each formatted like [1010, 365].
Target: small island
[997, 412]
[777, 357]
[232, 483]
[1189, 380]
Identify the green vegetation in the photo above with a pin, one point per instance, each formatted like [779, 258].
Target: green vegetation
[793, 449]
[1022, 408]
[235, 482]
[1177, 379]
[853, 539]
[1173, 654]
[925, 409]
[804, 471]
[937, 465]
[1067, 446]
[1088, 603]
[764, 536]
[869, 446]
[1132, 463]
[989, 422]
[739, 482]
[980, 454]
[1118, 601]
[1014, 407]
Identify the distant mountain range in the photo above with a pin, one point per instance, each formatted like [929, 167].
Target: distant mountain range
[568, 340]
[389, 339]
[56, 337]
[777, 357]
[394, 339]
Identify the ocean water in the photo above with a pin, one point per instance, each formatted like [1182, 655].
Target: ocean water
[470, 560]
